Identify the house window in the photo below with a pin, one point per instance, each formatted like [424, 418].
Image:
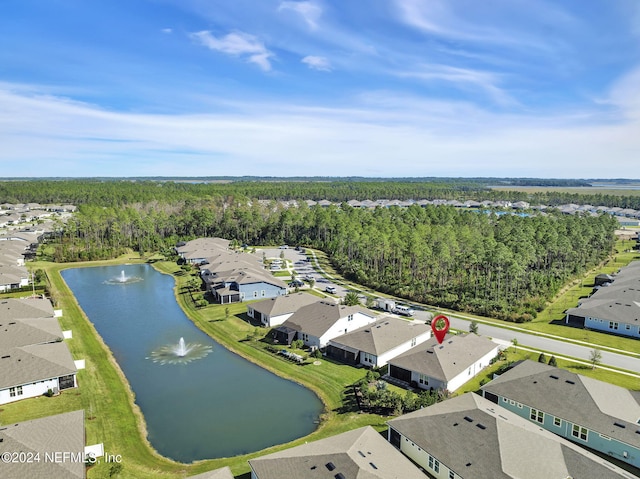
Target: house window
[430, 462]
[537, 416]
[557, 421]
[413, 342]
[255, 294]
[580, 432]
[262, 293]
[19, 391]
[350, 317]
[12, 392]
[423, 379]
[627, 327]
[613, 325]
[452, 475]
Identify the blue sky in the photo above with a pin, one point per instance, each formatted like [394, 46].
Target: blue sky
[342, 87]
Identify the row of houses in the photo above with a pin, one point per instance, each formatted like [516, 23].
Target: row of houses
[360, 337]
[230, 276]
[12, 215]
[494, 435]
[569, 208]
[614, 307]
[13, 249]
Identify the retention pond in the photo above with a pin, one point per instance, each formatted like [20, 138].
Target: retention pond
[199, 400]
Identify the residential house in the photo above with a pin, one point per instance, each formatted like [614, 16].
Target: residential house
[30, 371]
[469, 437]
[275, 311]
[195, 251]
[57, 442]
[358, 454]
[377, 343]
[245, 284]
[12, 277]
[448, 366]
[319, 322]
[591, 413]
[33, 358]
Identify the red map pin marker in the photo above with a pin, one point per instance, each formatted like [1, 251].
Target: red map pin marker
[440, 327]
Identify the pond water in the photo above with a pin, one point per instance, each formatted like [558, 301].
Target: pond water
[217, 404]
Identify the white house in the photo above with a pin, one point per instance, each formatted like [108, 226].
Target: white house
[377, 343]
[319, 322]
[444, 366]
[30, 371]
[275, 311]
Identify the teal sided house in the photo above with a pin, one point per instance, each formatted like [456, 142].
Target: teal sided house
[591, 413]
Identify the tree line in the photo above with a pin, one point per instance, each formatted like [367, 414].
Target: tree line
[504, 266]
[119, 192]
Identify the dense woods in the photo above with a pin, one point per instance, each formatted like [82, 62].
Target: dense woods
[504, 266]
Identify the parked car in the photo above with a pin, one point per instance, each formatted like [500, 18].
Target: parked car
[284, 246]
[296, 283]
[330, 289]
[403, 310]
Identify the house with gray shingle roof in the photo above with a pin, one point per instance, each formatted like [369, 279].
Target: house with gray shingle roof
[449, 365]
[591, 413]
[321, 321]
[469, 437]
[375, 344]
[30, 371]
[358, 454]
[57, 441]
[275, 311]
[244, 284]
[613, 309]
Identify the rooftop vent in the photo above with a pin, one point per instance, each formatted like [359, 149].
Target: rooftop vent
[554, 377]
[481, 426]
[468, 419]
[619, 425]
[339, 476]
[569, 382]
[361, 453]
[373, 465]
[330, 466]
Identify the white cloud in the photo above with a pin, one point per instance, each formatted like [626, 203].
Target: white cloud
[317, 63]
[238, 44]
[309, 11]
[379, 135]
[168, 31]
[464, 78]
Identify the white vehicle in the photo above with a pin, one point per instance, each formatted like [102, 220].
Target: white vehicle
[330, 289]
[403, 310]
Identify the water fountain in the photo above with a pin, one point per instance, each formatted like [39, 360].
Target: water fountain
[181, 353]
[123, 279]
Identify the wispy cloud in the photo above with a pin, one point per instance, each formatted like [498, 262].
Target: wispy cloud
[168, 31]
[238, 44]
[317, 63]
[58, 137]
[309, 11]
[464, 78]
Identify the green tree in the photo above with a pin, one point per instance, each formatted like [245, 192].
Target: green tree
[553, 362]
[351, 299]
[542, 358]
[473, 327]
[595, 357]
[514, 341]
